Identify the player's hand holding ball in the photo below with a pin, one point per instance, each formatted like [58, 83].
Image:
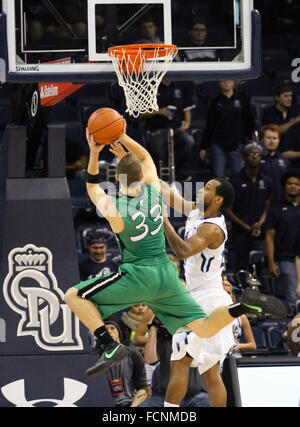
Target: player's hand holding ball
[118, 150]
[94, 147]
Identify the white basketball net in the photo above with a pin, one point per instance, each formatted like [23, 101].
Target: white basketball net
[140, 77]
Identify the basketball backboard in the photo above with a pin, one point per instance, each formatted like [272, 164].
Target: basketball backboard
[54, 40]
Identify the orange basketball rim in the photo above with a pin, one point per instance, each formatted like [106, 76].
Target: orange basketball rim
[140, 69]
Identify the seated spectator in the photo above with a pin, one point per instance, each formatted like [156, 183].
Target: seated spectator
[248, 213]
[229, 123]
[181, 96]
[198, 37]
[127, 380]
[158, 352]
[149, 30]
[130, 321]
[242, 331]
[286, 115]
[273, 164]
[282, 229]
[97, 264]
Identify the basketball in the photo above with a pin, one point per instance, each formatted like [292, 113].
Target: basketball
[106, 125]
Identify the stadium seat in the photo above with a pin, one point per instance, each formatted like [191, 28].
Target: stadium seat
[293, 44]
[267, 284]
[63, 112]
[256, 257]
[275, 339]
[260, 338]
[262, 86]
[259, 103]
[199, 114]
[291, 309]
[208, 89]
[276, 66]
[86, 108]
[75, 132]
[273, 45]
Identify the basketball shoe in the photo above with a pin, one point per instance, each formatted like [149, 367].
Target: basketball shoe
[260, 304]
[110, 355]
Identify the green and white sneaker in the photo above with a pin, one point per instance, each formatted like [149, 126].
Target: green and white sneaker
[111, 354]
[258, 303]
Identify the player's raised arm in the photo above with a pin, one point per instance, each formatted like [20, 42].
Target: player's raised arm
[149, 169]
[175, 200]
[98, 196]
[207, 235]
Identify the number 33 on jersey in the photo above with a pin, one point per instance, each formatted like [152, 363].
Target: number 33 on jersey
[143, 235]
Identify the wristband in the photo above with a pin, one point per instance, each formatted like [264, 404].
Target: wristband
[93, 179]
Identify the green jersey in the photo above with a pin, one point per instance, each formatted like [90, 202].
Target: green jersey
[143, 236]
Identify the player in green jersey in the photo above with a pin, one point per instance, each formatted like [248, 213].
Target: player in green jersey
[147, 274]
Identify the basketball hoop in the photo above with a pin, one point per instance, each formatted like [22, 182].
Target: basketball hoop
[140, 68]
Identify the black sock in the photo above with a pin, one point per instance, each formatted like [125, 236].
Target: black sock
[236, 310]
[103, 336]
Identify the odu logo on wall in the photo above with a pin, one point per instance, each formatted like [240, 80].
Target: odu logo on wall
[30, 289]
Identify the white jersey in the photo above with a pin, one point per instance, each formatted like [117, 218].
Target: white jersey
[203, 271]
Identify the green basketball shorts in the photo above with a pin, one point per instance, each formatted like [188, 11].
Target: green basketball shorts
[156, 285]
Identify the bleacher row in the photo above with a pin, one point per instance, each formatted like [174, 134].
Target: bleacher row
[270, 338]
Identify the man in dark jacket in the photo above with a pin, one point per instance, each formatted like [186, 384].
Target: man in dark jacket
[273, 164]
[229, 123]
[282, 229]
[127, 380]
[248, 213]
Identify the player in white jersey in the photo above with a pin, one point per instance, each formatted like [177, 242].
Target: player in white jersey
[203, 265]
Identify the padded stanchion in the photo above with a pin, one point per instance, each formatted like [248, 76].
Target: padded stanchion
[38, 259]
[56, 151]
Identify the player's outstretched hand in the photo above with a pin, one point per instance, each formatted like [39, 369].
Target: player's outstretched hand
[94, 147]
[118, 150]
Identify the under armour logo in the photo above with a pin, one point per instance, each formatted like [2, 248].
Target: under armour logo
[15, 393]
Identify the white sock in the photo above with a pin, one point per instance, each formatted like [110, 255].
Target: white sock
[170, 405]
